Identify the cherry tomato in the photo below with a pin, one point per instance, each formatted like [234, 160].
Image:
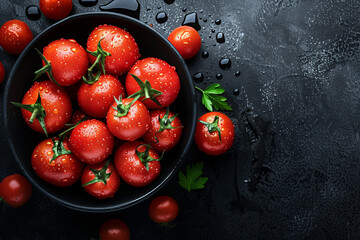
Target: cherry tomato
[114, 229]
[140, 168]
[186, 40]
[207, 132]
[119, 43]
[53, 112]
[95, 99]
[128, 119]
[62, 171]
[67, 59]
[91, 141]
[2, 73]
[163, 209]
[161, 76]
[100, 180]
[15, 35]
[165, 130]
[15, 190]
[55, 9]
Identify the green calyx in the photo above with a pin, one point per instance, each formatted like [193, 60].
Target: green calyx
[59, 148]
[100, 175]
[100, 55]
[37, 110]
[165, 121]
[45, 69]
[146, 90]
[145, 156]
[121, 109]
[214, 126]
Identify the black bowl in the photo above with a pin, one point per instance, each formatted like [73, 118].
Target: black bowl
[22, 140]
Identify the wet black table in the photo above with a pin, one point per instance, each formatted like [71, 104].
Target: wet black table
[294, 85]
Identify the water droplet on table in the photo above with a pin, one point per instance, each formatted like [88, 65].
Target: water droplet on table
[127, 7]
[198, 77]
[225, 63]
[88, 3]
[33, 12]
[205, 54]
[161, 17]
[220, 37]
[191, 20]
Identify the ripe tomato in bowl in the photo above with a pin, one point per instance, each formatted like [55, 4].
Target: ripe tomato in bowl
[22, 140]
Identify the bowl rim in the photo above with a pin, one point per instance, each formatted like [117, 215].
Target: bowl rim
[111, 208]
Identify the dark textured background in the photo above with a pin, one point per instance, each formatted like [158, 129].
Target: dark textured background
[293, 172]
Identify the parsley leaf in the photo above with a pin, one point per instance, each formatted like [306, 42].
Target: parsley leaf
[193, 179]
[212, 98]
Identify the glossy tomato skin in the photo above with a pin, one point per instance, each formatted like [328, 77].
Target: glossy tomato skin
[99, 189]
[64, 171]
[186, 40]
[210, 143]
[166, 139]
[95, 99]
[54, 100]
[161, 76]
[2, 73]
[55, 9]
[15, 35]
[163, 209]
[91, 141]
[132, 126]
[131, 169]
[119, 43]
[15, 190]
[114, 229]
[69, 61]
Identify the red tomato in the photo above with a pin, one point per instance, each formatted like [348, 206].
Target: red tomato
[163, 209]
[67, 62]
[15, 35]
[161, 76]
[119, 43]
[207, 133]
[95, 99]
[114, 229]
[15, 190]
[186, 40]
[131, 165]
[100, 180]
[2, 73]
[91, 141]
[165, 130]
[62, 171]
[128, 119]
[54, 111]
[55, 9]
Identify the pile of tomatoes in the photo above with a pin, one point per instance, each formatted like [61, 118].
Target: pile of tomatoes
[95, 111]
